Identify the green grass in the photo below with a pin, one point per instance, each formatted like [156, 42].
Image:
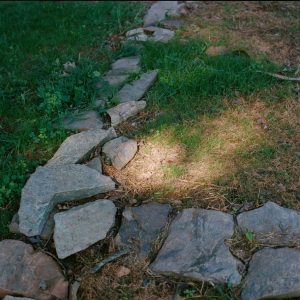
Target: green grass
[36, 39]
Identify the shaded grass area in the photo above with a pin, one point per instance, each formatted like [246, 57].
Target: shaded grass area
[36, 39]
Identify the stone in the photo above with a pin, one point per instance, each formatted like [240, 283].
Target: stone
[16, 298]
[142, 225]
[69, 66]
[120, 151]
[153, 34]
[23, 270]
[114, 78]
[137, 89]
[80, 227]
[173, 24]
[273, 274]
[46, 232]
[160, 10]
[95, 164]
[123, 111]
[126, 65]
[195, 248]
[48, 186]
[78, 147]
[122, 272]
[271, 224]
[74, 290]
[83, 121]
[216, 50]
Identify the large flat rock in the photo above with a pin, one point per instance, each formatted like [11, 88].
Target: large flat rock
[151, 33]
[123, 111]
[137, 89]
[161, 10]
[127, 65]
[51, 185]
[273, 274]
[195, 248]
[120, 151]
[83, 121]
[272, 224]
[82, 226]
[77, 147]
[16, 298]
[142, 225]
[29, 273]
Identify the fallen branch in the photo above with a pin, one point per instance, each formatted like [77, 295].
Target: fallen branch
[107, 260]
[281, 76]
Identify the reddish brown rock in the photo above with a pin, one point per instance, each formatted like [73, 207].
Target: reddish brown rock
[29, 273]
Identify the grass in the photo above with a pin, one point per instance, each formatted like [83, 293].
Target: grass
[36, 40]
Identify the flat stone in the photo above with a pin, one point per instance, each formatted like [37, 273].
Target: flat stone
[195, 248]
[24, 271]
[272, 224]
[48, 186]
[120, 151]
[142, 225]
[115, 79]
[154, 34]
[123, 111]
[126, 65]
[83, 226]
[173, 24]
[83, 121]
[46, 232]
[95, 164]
[77, 147]
[273, 274]
[137, 89]
[160, 10]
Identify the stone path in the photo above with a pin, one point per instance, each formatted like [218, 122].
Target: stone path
[191, 244]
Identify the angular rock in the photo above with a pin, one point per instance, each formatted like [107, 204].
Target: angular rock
[195, 248]
[95, 164]
[154, 34]
[142, 225]
[14, 224]
[273, 274]
[24, 271]
[83, 121]
[272, 224]
[136, 90]
[49, 186]
[123, 111]
[126, 65]
[77, 147]
[160, 10]
[120, 151]
[83, 226]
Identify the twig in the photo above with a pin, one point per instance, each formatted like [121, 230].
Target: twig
[107, 260]
[281, 76]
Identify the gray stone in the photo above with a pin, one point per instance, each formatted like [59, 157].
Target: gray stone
[16, 298]
[77, 147]
[69, 66]
[123, 111]
[47, 230]
[273, 274]
[95, 164]
[120, 151]
[173, 24]
[153, 34]
[83, 121]
[126, 65]
[115, 79]
[195, 248]
[136, 90]
[142, 225]
[272, 224]
[48, 186]
[160, 10]
[24, 271]
[83, 226]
